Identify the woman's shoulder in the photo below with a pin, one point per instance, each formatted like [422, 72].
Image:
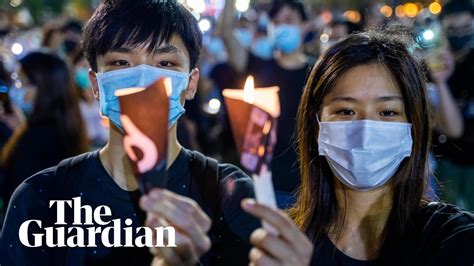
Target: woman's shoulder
[446, 233]
[438, 215]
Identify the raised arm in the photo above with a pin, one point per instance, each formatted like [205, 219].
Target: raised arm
[448, 116]
[237, 55]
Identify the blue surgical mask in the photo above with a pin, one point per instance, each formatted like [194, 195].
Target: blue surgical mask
[364, 154]
[139, 76]
[17, 96]
[287, 37]
[217, 49]
[263, 47]
[82, 78]
[244, 36]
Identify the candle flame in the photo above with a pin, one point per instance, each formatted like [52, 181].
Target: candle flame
[249, 90]
[266, 127]
[127, 91]
[168, 86]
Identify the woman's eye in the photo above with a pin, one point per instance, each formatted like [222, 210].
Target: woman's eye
[345, 112]
[166, 64]
[120, 63]
[388, 113]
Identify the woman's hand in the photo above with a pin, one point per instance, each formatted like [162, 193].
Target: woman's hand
[290, 247]
[165, 208]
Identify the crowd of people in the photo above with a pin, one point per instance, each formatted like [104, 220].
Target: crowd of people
[376, 127]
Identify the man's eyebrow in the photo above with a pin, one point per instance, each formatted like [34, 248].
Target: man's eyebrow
[124, 50]
[168, 49]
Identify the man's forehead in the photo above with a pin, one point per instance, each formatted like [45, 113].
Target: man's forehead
[173, 45]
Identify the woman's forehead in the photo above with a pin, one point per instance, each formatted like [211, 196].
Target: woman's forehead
[366, 82]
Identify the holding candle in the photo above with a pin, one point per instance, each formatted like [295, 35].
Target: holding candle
[145, 142]
[253, 115]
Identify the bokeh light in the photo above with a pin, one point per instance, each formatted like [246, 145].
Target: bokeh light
[15, 3]
[411, 10]
[204, 25]
[353, 16]
[399, 11]
[386, 11]
[17, 49]
[324, 38]
[435, 8]
[242, 5]
[197, 5]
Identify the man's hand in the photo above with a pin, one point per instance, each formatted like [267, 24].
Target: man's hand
[290, 247]
[165, 208]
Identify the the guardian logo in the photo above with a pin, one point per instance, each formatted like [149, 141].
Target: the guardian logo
[75, 235]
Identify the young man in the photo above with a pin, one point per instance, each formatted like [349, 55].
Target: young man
[288, 69]
[122, 35]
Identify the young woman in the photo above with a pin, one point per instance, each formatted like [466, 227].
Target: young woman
[363, 137]
[54, 129]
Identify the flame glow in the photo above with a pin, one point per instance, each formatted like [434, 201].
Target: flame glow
[249, 90]
[168, 86]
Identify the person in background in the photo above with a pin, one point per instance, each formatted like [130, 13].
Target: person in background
[52, 38]
[364, 131]
[337, 30]
[10, 115]
[10, 118]
[456, 154]
[53, 130]
[71, 44]
[288, 69]
[90, 109]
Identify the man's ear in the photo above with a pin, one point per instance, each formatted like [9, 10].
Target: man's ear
[94, 84]
[193, 84]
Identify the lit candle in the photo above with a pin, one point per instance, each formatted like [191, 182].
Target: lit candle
[253, 114]
[145, 143]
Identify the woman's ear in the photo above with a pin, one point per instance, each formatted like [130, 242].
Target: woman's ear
[94, 84]
[193, 84]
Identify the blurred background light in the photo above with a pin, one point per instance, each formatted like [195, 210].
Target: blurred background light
[15, 3]
[324, 38]
[399, 11]
[213, 106]
[198, 6]
[17, 49]
[353, 16]
[435, 8]
[428, 35]
[204, 25]
[411, 10]
[242, 5]
[386, 11]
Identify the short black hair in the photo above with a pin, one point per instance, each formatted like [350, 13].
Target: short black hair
[136, 22]
[456, 7]
[293, 4]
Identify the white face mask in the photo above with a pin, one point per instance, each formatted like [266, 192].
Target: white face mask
[364, 154]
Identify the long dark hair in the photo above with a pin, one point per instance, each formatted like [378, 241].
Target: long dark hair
[316, 209]
[55, 102]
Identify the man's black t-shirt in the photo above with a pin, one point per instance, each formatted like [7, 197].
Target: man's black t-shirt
[85, 177]
[442, 235]
[268, 73]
